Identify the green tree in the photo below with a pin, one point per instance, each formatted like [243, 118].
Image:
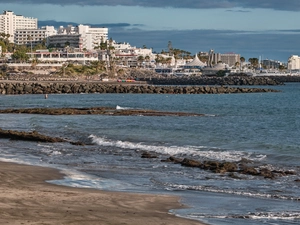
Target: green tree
[254, 62]
[20, 55]
[140, 60]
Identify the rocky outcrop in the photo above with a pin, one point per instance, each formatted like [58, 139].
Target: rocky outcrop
[231, 168]
[75, 88]
[32, 136]
[96, 111]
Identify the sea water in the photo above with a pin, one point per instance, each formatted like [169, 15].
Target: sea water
[261, 127]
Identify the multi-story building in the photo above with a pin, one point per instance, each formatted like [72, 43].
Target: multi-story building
[33, 36]
[65, 56]
[270, 64]
[126, 55]
[294, 62]
[90, 37]
[64, 40]
[231, 59]
[9, 23]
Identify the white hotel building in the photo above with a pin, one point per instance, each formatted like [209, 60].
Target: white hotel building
[33, 36]
[294, 62]
[81, 36]
[9, 23]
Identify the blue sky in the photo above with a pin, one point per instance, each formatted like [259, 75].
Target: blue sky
[256, 28]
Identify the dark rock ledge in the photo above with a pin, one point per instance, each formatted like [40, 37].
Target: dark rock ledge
[97, 111]
[33, 136]
[232, 169]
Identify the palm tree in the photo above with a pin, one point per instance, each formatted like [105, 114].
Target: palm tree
[254, 62]
[140, 59]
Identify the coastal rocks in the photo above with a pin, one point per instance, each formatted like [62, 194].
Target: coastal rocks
[230, 168]
[190, 163]
[96, 111]
[97, 87]
[288, 78]
[32, 136]
[229, 80]
[147, 155]
[28, 136]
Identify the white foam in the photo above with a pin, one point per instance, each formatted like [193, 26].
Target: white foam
[201, 151]
[79, 179]
[121, 108]
[228, 191]
[254, 216]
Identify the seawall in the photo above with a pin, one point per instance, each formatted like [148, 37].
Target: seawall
[11, 88]
[230, 80]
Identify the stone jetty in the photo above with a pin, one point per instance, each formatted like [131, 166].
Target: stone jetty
[11, 88]
[229, 80]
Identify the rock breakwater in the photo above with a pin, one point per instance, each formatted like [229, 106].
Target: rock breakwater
[230, 80]
[12, 88]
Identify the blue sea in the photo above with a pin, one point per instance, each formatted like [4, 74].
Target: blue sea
[261, 127]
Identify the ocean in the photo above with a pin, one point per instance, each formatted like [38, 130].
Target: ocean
[262, 128]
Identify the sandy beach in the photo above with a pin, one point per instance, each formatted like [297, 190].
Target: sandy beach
[25, 198]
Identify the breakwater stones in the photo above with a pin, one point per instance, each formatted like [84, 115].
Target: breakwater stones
[229, 80]
[11, 88]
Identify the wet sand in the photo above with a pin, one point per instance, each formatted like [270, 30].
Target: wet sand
[25, 198]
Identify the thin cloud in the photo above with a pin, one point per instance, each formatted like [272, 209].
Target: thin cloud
[238, 11]
[65, 24]
[286, 5]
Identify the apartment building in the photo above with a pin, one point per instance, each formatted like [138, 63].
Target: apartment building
[270, 64]
[230, 59]
[9, 23]
[63, 40]
[33, 36]
[90, 37]
[294, 62]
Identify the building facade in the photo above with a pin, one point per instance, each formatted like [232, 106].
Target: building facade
[33, 36]
[294, 62]
[270, 64]
[64, 56]
[90, 37]
[9, 23]
[231, 59]
[64, 40]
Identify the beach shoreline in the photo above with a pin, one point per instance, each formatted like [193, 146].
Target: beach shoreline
[26, 198]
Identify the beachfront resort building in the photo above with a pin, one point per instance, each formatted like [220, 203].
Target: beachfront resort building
[65, 56]
[270, 64]
[32, 37]
[9, 23]
[231, 59]
[81, 36]
[74, 41]
[294, 62]
[131, 56]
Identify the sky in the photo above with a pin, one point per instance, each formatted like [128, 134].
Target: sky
[266, 29]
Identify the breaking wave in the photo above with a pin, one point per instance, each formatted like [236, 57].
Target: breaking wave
[122, 108]
[246, 193]
[198, 151]
[288, 215]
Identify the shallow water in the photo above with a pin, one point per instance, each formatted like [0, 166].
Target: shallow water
[262, 127]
